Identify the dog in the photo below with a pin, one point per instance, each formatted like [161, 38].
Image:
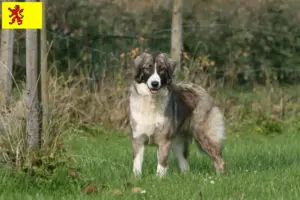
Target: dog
[169, 115]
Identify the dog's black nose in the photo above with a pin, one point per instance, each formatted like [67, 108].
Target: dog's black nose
[155, 84]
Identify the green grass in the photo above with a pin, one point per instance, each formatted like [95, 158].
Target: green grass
[258, 167]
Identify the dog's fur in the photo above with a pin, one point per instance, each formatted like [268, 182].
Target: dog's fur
[169, 115]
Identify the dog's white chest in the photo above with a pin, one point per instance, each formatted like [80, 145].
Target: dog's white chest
[147, 117]
[147, 124]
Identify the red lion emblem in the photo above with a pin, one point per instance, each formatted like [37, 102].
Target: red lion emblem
[16, 15]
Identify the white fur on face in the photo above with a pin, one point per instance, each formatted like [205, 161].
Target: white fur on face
[154, 77]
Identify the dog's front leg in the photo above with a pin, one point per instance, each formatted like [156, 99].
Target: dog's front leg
[162, 157]
[138, 155]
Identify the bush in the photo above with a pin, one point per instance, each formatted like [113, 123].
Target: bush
[13, 145]
[249, 41]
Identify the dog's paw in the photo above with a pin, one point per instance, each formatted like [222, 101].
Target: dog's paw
[161, 171]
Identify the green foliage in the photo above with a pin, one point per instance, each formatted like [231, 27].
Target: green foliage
[268, 126]
[261, 43]
[264, 125]
[250, 42]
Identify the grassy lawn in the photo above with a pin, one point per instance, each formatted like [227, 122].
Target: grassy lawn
[258, 167]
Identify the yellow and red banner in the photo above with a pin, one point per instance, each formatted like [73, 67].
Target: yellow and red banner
[21, 15]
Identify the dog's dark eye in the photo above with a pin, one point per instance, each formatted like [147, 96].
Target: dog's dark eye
[162, 70]
[146, 70]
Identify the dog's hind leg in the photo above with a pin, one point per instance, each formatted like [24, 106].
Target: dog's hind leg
[213, 149]
[180, 148]
[209, 134]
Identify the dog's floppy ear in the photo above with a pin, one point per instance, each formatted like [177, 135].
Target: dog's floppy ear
[138, 64]
[171, 65]
[139, 60]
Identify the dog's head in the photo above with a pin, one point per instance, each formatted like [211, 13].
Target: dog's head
[154, 70]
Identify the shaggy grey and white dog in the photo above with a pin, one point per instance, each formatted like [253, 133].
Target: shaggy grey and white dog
[169, 115]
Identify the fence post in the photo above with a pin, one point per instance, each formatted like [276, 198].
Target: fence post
[6, 65]
[176, 38]
[32, 90]
[44, 71]
[95, 61]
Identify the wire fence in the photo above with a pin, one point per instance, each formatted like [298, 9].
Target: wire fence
[90, 52]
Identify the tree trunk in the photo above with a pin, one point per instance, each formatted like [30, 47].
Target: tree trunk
[6, 65]
[176, 39]
[44, 72]
[32, 87]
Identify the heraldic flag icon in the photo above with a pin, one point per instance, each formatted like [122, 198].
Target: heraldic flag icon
[21, 15]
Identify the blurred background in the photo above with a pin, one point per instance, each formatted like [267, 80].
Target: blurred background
[245, 53]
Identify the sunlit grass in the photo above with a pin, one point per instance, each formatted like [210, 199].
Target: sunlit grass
[258, 167]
